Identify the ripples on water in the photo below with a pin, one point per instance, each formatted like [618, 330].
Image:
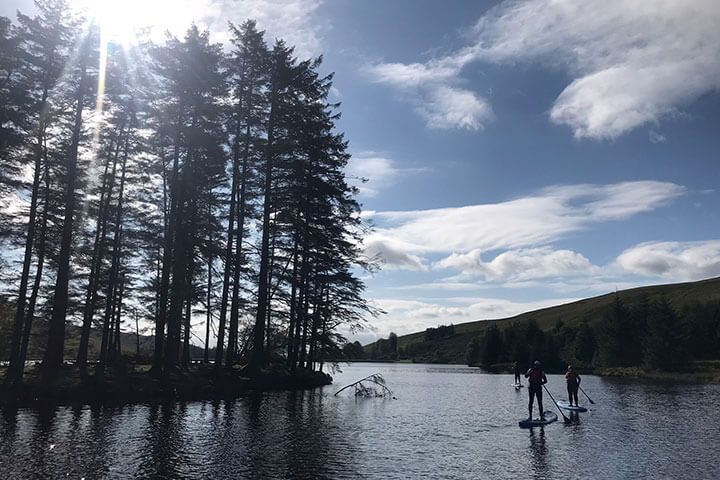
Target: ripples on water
[448, 422]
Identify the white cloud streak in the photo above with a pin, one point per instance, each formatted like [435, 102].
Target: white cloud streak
[524, 222]
[633, 63]
[407, 316]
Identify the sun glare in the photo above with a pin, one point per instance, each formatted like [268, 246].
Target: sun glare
[124, 21]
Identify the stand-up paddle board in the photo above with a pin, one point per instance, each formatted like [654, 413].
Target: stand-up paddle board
[536, 422]
[518, 385]
[566, 406]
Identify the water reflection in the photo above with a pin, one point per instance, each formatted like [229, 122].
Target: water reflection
[574, 417]
[449, 422]
[163, 442]
[538, 453]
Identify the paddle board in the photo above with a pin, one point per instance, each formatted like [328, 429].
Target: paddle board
[518, 385]
[536, 422]
[566, 406]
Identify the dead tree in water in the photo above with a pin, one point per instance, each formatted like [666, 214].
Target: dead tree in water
[371, 386]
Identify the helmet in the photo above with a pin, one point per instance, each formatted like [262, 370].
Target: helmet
[537, 363]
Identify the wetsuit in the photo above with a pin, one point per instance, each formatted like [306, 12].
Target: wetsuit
[573, 383]
[536, 378]
[517, 373]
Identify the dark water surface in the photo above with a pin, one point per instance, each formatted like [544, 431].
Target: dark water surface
[447, 422]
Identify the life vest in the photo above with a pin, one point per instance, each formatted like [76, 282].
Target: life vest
[571, 377]
[536, 375]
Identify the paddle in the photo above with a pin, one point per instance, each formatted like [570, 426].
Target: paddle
[586, 395]
[565, 419]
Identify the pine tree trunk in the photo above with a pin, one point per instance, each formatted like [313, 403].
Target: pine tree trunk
[208, 316]
[232, 354]
[114, 268]
[53, 359]
[171, 227]
[228, 253]
[16, 368]
[118, 319]
[180, 266]
[293, 306]
[97, 257]
[271, 291]
[41, 246]
[257, 357]
[187, 326]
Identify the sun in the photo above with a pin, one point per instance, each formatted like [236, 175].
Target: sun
[124, 21]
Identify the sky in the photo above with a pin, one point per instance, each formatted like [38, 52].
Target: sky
[519, 154]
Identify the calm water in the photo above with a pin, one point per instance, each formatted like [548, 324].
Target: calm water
[447, 422]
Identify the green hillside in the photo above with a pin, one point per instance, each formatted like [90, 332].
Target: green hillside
[452, 348]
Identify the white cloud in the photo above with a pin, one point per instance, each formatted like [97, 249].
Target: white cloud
[431, 89]
[408, 316]
[392, 254]
[656, 137]
[524, 222]
[632, 63]
[520, 265]
[673, 260]
[413, 74]
[379, 171]
[448, 107]
[292, 20]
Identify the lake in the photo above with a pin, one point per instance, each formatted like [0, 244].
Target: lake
[448, 421]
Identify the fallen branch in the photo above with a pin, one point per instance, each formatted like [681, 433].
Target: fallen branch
[372, 386]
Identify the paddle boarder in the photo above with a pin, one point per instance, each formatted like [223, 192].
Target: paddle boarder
[516, 370]
[573, 383]
[536, 379]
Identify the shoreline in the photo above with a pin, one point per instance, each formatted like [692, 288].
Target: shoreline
[705, 372]
[137, 385]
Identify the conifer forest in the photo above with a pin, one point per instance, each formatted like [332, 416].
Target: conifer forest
[197, 186]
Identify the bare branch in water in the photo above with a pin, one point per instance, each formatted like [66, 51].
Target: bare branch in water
[372, 386]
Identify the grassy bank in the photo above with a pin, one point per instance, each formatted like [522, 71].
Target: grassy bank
[707, 371]
[697, 372]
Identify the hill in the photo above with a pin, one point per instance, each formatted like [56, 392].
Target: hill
[128, 341]
[451, 344]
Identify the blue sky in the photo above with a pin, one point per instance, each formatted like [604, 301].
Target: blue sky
[524, 154]
[519, 154]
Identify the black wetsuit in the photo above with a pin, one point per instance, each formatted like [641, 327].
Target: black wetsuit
[517, 374]
[537, 379]
[573, 383]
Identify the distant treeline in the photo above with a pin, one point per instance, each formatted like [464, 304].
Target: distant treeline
[649, 334]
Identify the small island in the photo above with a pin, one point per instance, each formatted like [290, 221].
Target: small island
[185, 189]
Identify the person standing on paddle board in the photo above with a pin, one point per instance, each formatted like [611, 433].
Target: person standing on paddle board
[573, 383]
[516, 370]
[536, 379]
